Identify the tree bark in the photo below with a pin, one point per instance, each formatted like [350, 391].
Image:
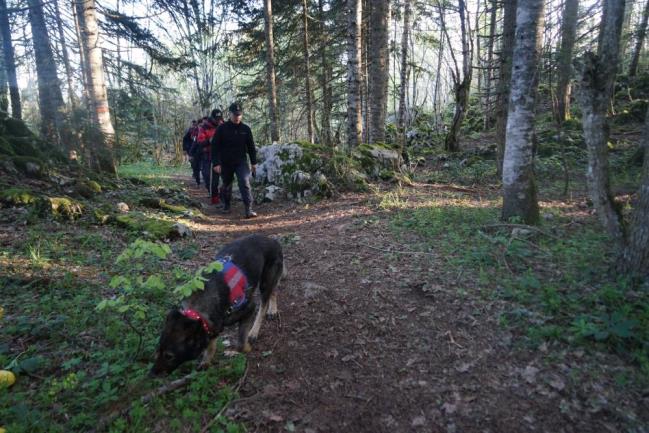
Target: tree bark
[326, 80]
[378, 69]
[10, 61]
[635, 258]
[488, 115]
[270, 70]
[401, 122]
[504, 79]
[50, 99]
[568, 34]
[98, 97]
[519, 188]
[354, 114]
[72, 97]
[4, 100]
[597, 82]
[461, 85]
[307, 66]
[640, 36]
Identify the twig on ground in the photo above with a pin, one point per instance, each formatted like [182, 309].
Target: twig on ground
[226, 405]
[146, 399]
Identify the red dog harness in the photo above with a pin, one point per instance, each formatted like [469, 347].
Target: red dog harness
[236, 281]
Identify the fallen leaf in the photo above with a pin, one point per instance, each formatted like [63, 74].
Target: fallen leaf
[419, 421]
[529, 374]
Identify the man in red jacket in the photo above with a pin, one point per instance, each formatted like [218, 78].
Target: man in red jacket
[205, 134]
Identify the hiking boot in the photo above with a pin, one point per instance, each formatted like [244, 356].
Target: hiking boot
[216, 200]
[250, 213]
[226, 208]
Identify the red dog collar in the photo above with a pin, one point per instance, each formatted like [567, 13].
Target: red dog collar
[195, 315]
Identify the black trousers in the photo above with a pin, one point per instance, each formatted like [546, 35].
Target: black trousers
[242, 170]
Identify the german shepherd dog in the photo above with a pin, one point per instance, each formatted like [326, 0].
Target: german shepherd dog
[250, 262]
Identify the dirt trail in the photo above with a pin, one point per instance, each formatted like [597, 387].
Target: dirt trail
[373, 338]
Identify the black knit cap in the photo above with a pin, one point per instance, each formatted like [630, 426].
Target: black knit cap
[216, 113]
[235, 108]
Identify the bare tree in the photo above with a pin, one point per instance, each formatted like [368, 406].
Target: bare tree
[9, 61]
[403, 89]
[504, 79]
[568, 33]
[378, 69]
[461, 80]
[50, 100]
[354, 114]
[270, 70]
[519, 188]
[307, 66]
[640, 36]
[72, 97]
[98, 98]
[325, 79]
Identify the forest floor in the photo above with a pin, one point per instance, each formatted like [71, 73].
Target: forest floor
[389, 325]
[406, 309]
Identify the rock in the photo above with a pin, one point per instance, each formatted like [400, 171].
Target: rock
[153, 227]
[181, 230]
[518, 232]
[61, 207]
[418, 421]
[122, 207]
[272, 192]
[17, 197]
[548, 216]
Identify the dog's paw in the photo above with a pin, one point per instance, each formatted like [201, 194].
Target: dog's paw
[272, 315]
[252, 337]
[246, 348]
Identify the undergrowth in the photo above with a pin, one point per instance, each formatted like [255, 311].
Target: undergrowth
[557, 277]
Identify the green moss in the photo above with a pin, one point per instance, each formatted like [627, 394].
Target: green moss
[29, 165]
[87, 188]
[18, 196]
[62, 207]
[155, 203]
[17, 128]
[94, 186]
[102, 216]
[24, 146]
[6, 148]
[157, 228]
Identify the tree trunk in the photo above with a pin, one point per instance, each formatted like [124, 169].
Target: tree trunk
[642, 32]
[504, 79]
[378, 69]
[72, 98]
[461, 85]
[9, 61]
[270, 70]
[326, 80]
[307, 78]
[354, 114]
[488, 115]
[98, 97]
[568, 33]
[635, 258]
[50, 100]
[597, 83]
[403, 89]
[4, 100]
[519, 188]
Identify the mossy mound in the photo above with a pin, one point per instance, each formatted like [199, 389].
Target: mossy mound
[30, 166]
[60, 207]
[155, 203]
[378, 160]
[17, 197]
[155, 228]
[87, 188]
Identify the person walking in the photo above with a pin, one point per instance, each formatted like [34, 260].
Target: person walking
[205, 135]
[188, 141]
[232, 144]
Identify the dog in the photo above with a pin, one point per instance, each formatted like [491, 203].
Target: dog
[251, 262]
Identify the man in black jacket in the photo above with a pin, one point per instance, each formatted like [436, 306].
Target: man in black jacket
[231, 145]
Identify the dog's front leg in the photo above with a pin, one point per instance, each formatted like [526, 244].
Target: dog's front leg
[208, 354]
[244, 329]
